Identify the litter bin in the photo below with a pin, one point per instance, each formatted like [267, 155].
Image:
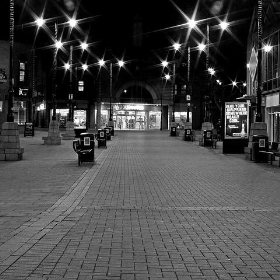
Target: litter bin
[207, 137]
[86, 147]
[188, 135]
[108, 132]
[101, 138]
[173, 131]
[112, 130]
[259, 143]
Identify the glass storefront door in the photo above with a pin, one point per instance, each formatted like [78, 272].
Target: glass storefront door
[134, 116]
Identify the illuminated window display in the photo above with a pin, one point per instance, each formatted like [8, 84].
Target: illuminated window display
[61, 116]
[19, 110]
[132, 116]
[181, 118]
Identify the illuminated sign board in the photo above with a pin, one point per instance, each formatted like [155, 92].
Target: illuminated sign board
[236, 120]
[130, 107]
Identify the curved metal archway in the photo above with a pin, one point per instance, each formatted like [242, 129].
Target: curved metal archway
[145, 85]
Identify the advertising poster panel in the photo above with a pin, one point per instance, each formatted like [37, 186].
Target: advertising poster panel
[236, 120]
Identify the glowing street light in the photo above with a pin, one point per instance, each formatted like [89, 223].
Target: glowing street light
[121, 63]
[267, 48]
[101, 62]
[211, 71]
[224, 25]
[40, 22]
[201, 46]
[72, 22]
[192, 23]
[176, 46]
[167, 77]
[84, 45]
[85, 67]
[67, 66]
[164, 63]
[58, 44]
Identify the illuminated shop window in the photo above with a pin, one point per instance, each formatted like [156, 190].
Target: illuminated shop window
[81, 86]
[19, 110]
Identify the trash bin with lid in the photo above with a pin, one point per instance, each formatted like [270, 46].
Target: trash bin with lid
[108, 132]
[188, 135]
[259, 143]
[207, 137]
[173, 131]
[101, 138]
[86, 147]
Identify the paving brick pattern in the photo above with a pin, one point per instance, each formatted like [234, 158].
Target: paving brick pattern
[152, 207]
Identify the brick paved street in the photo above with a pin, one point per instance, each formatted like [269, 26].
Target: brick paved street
[152, 207]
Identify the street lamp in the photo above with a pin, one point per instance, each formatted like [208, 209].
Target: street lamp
[10, 115]
[259, 88]
[120, 64]
[176, 47]
[206, 48]
[58, 45]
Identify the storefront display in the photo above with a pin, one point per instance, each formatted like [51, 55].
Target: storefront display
[132, 116]
[61, 116]
[19, 110]
[181, 118]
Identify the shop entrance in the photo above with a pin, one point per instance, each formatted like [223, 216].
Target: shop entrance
[130, 120]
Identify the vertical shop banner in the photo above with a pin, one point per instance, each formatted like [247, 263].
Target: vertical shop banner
[236, 120]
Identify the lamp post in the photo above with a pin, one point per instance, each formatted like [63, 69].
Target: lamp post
[53, 137]
[206, 47]
[176, 47]
[10, 116]
[70, 128]
[58, 45]
[259, 88]
[120, 63]
[110, 123]
[164, 64]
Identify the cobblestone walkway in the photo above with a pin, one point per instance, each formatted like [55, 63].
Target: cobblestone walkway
[152, 207]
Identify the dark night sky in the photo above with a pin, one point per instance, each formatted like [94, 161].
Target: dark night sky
[110, 22]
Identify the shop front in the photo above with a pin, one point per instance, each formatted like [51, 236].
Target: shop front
[132, 116]
[273, 116]
[80, 118]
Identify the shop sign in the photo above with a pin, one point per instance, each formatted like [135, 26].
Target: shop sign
[3, 76]
[1, 106]
[236, 120]
[28, 129]
[130, 107]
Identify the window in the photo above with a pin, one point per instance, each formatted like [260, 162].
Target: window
[19, 110]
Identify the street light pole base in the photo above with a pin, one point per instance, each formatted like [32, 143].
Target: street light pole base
[70, 132]
[9, 142]
[53, 137]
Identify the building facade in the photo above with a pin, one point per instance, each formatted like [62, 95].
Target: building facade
[270, 66]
